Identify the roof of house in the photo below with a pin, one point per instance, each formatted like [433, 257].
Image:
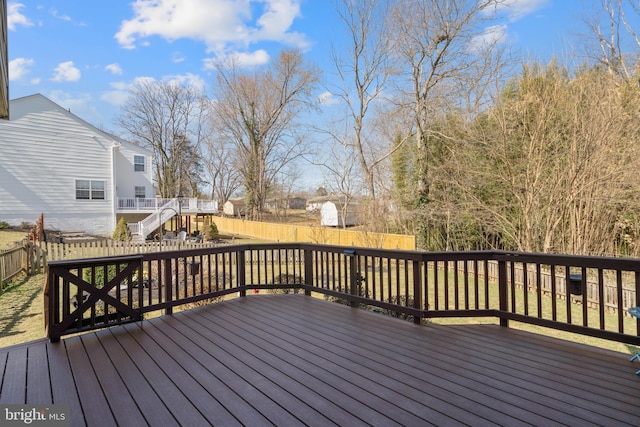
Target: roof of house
[23, 106]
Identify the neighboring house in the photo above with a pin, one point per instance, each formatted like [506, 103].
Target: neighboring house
[55, 163]
[336, 214]
[234, 207]
[286, 203]
[315, 203]
[297, 202]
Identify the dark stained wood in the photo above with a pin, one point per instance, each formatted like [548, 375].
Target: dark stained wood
[63, 385]
[291, 360]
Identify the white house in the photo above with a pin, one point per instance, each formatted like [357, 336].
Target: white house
[55, 163]
[336, 214]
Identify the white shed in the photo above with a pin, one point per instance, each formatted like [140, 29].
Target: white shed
[234, 207]
[336, 214]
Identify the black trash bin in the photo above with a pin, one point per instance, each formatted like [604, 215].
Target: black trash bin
[575, 284]
[194, 267]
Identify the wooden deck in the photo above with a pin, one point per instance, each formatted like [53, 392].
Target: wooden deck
[295, 360]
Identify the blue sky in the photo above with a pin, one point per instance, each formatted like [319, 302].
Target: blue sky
[84, 54]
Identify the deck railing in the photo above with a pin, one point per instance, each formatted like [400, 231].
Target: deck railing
[584, 295]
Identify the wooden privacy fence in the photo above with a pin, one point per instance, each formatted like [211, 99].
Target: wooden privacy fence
[288, 233]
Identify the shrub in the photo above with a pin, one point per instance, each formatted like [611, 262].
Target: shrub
[122, 233]
[210, 231]
[99, 278]
[4, 225]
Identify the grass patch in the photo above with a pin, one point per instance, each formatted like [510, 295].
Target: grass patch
[9, 237]
[22, 317]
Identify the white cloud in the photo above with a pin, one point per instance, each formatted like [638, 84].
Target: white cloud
[490, 36]
[223, 25]
[241, 59]
[327, 98]
[114, 68]
[118, 96]
[19, 68]
[176, 57]
[191, 80]
[15, 17]
[55, 14]
[66, 72]
[517, 9]
[81, 105]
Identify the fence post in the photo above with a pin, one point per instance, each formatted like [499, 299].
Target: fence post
[502, 290]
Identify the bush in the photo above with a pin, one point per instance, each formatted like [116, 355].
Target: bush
[122, 233]
[4, 225]
[210, 231]
[99, 278]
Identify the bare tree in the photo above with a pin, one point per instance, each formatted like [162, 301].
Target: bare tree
[615, 44]
[363, 71]
[223, 169]
[341, 176]
[258, 113]
[166, 118]
[446, 55]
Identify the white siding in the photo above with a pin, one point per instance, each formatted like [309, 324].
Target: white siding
[43, 150]
[127, 179]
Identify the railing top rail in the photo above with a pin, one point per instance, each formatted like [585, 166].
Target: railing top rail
[589, 261]
[612, 263]
[82, 262]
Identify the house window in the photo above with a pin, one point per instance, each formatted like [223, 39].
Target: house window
[140, 192]
[138, 163]
[89, 190]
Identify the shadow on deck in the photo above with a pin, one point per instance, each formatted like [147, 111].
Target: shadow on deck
[297, 360]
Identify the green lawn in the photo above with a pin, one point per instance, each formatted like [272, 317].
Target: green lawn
[21, 317]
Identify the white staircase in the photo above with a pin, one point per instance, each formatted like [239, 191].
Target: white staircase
[142, 229]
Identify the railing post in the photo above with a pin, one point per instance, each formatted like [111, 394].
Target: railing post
[168, 285]
[242, 271]
[502, 290]
[417, 290]
[308, 270]
[353, 280]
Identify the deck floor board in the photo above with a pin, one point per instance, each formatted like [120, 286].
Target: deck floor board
[291, 360]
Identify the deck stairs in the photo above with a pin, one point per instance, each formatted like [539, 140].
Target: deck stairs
[142, 229]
